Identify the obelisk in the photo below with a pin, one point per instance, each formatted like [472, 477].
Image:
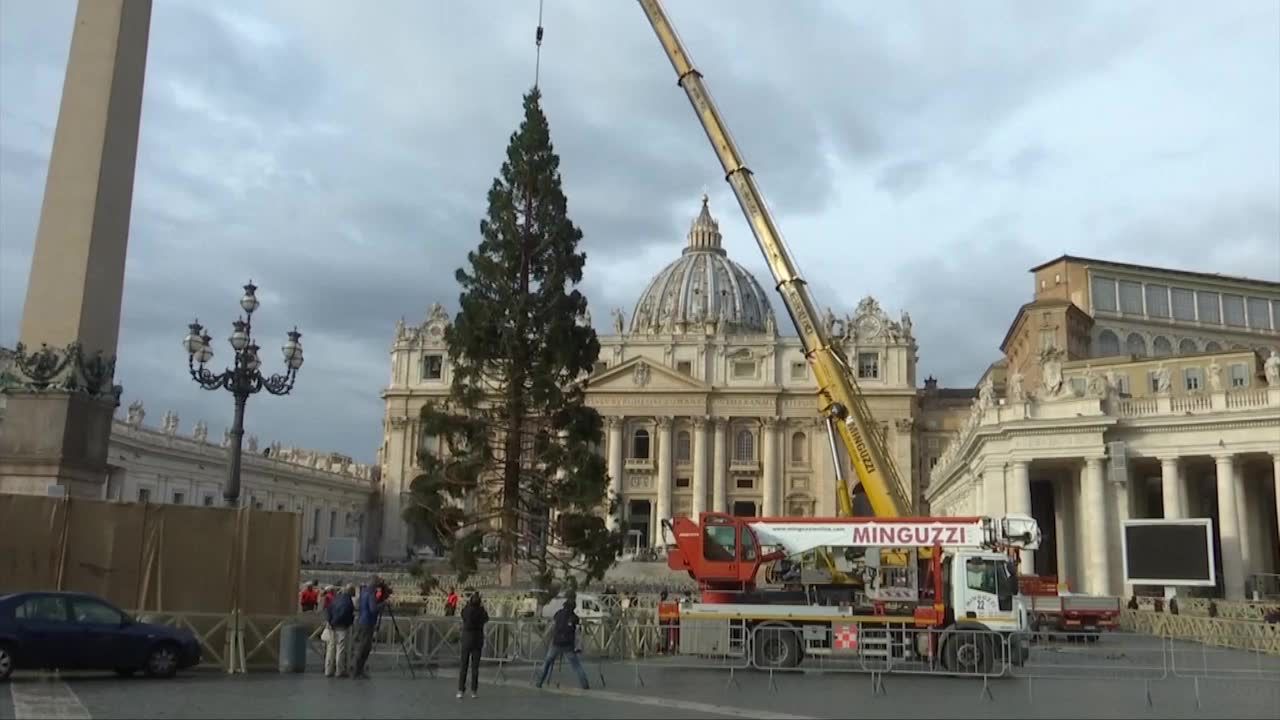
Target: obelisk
[60, 401]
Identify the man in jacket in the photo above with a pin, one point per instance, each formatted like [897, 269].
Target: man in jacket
[564, 643]
[340, 615]
[474, 617]
[366, 622]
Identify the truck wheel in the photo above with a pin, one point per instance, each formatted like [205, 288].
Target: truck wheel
[775, 647]
[969, 652]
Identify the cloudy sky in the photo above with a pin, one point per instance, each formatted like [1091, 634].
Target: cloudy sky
[926, 153]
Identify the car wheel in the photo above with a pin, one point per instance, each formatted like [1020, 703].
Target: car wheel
[163, 661]
[6, 662]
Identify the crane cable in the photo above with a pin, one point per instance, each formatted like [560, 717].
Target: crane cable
[537, 62]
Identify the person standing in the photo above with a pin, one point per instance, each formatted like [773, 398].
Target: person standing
[474, 617]
[451, 603]
[564, 643]
[366, 622]
[340, 614]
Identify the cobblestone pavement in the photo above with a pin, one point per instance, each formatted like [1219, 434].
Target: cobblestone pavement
[665, 693]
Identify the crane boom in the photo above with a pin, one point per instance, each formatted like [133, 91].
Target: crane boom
[838, 393]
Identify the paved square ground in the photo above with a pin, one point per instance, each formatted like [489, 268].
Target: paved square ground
[665, 693]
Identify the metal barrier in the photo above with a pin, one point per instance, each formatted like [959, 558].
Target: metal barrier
[1111, 655]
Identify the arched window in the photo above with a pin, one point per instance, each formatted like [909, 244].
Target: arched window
[799, 448]
[684, 447]
[1108, 344]
[1161, 347]
[1187, 346]
[1135, 345]
[640, 444]
[1212, 346]
[744, 446]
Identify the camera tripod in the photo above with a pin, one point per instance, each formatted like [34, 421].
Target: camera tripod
[398, 635]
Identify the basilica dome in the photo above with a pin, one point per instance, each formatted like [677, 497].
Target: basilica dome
[703, 291]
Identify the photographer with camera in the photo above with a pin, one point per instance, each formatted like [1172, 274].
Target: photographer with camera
[372, 598]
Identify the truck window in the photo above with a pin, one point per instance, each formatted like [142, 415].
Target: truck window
[748, 545]
[719, 543]
[990, 576]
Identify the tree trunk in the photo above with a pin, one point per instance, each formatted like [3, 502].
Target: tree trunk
[516, 401]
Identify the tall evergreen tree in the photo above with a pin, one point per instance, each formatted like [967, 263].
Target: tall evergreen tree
[518, 441]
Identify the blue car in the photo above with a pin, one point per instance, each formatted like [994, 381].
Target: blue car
[75, 631]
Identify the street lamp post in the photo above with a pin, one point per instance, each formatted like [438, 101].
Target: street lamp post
[243, 377]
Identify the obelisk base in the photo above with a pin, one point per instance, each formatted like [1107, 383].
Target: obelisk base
[54, 438]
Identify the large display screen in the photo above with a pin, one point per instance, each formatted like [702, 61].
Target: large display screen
[1169, 552]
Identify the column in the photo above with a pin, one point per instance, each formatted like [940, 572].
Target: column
[1244, 519]
[615, 445]
[1094, 517]
[993, 489]
[1229, 529]
[1171, 494]
[720, 467]
[699, 466]
[1065, 530]
[1119, 486]
[1018, 491]
[664, 477]
[56, 435]
[1275, 478]
[769, 459]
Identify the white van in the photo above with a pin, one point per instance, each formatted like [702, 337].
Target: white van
[590, 608]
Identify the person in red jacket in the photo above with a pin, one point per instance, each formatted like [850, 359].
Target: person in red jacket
[309, 598]
[326, 599]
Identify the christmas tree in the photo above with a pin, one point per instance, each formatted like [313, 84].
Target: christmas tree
[519, 473]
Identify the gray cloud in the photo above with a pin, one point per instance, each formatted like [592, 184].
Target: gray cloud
[928, 155]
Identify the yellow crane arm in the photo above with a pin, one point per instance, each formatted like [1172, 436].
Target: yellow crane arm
[838, 394]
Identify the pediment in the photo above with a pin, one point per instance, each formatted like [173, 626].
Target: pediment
[642, 374]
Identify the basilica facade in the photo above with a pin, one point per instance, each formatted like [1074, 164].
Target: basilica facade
[707, 407]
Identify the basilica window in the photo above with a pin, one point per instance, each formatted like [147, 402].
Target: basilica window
[1161, 347]
[1130, 297]
[1212, 346]
[1135, 345]
[1108, 344]
[640, 444]
[744, 446]
[745, 483]
[1239, 375]
[179, 498]
[1158, 301]
[1104, 293]
[1122, 384]
[1259, 315]
[684, 447]
[1207, 308]
[868, 365]
[1184, 304]
[744, 369]
[1193, 379]
[800, 370]
[799, 448]
[432, 367]
[599, 366]
[144, 495]
[683, 482]
[208, 500]
[1233, 310]
[685, 366]
[1187, 346]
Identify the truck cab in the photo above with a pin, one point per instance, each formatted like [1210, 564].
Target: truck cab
[981, 588]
